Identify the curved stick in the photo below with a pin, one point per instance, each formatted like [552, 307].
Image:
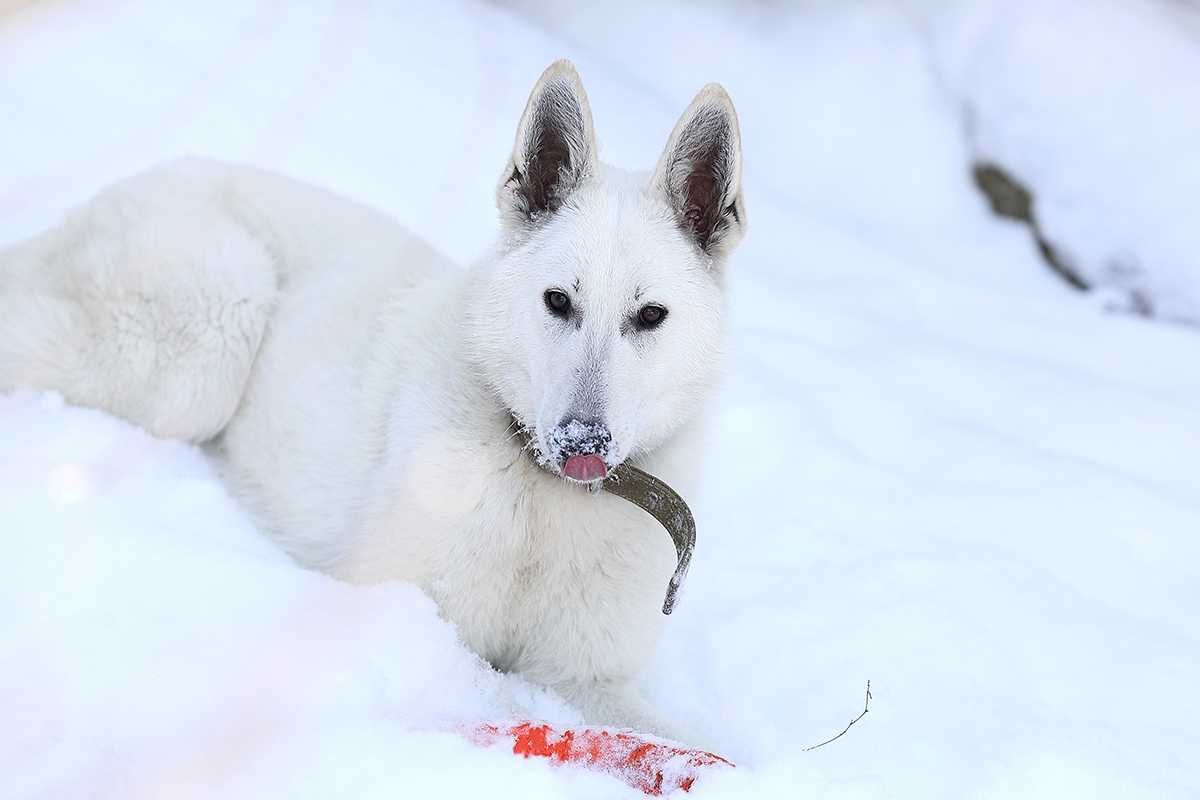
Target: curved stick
[662, 502]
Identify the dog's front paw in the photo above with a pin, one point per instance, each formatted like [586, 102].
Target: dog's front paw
[620, 705]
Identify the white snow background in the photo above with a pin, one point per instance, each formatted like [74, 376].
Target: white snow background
[934, 466]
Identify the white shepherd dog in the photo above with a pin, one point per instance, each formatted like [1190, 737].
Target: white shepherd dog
[376, 407]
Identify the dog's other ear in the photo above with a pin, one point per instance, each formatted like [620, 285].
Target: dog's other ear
[554, 152]
[700, 173]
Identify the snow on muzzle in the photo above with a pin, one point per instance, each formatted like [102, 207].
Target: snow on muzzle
[581, 449]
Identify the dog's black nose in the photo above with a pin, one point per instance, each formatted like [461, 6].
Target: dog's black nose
[581, 449]
[578, 437]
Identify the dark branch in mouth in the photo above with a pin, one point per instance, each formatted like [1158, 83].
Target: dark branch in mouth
[660, 501]
[647, 492]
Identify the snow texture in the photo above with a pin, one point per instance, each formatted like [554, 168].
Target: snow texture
[934, 466]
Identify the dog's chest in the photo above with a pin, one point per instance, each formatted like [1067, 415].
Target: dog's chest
[577, 582]
[538, 575]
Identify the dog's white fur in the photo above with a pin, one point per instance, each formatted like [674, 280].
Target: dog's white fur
[358, 391]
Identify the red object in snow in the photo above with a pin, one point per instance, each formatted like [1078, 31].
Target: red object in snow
[652, 765]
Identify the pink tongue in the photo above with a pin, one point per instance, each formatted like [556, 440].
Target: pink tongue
[585, 468]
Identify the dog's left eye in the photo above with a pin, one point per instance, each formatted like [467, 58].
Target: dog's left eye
[651, 317]
[558, 303]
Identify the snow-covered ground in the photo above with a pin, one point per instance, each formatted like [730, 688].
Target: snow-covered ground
[935, 467]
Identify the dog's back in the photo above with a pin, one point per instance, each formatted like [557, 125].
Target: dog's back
[153, 299]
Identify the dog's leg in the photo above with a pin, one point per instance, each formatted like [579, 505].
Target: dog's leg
[150, 303]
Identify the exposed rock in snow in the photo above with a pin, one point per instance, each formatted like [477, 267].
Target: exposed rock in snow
[1093, 106]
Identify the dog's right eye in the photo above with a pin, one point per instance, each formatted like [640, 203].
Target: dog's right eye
[558, 303]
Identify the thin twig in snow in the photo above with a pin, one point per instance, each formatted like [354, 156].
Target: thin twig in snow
[866, 708]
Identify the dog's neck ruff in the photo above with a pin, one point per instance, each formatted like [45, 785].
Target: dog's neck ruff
[653, 496]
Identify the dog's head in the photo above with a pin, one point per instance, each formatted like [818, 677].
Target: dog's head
[601, 322]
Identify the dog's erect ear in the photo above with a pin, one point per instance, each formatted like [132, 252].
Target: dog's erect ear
[555, 149]
[700, 173]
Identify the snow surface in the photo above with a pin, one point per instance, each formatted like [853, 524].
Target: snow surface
[934, 466]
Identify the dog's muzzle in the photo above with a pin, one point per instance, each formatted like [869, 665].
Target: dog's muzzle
[581, 449]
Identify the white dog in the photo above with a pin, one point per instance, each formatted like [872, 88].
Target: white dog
[363, 397]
